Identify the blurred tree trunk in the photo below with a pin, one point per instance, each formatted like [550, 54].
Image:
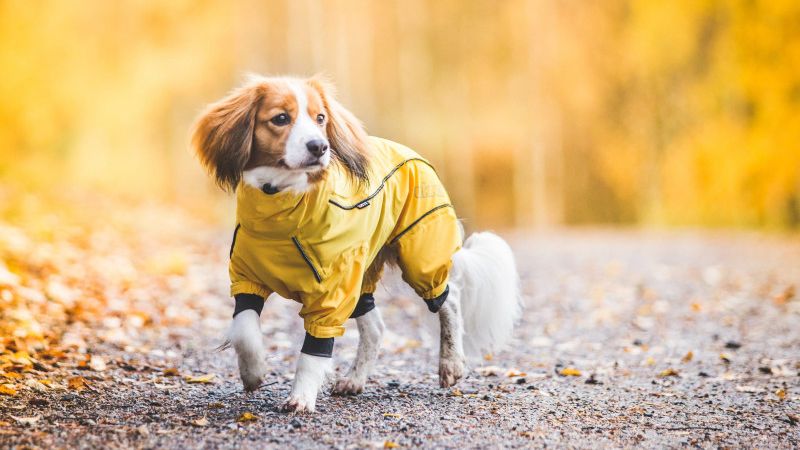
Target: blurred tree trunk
[539, 183]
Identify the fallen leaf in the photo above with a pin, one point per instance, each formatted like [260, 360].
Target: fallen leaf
[488, 357]
[7, 389]
[781, 393]
[489, 371]
[395, 415]
[726, 358]
[12, 375]
[515, 373]
[748, 389]
[27, 420]
[216, 405]
[22, 358]
[668, 373]
[569, 372]
[785, 296]
[454, 393]
[171, 372]
[201, 422]
[247, 417]
[696, 307]
[650, 361]
[205, 379]
[390, 444]
[687, 357]
[77, 383]
[36, 386]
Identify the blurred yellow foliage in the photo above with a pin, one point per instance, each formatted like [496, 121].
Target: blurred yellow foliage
[536, 112]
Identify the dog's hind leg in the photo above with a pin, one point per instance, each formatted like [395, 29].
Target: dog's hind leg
[370, 333]
[370, 327]
[451, 352]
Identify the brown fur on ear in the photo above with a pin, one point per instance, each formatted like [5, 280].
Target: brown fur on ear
[346, 134]
[223, 135]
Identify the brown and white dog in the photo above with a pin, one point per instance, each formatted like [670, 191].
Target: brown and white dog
[284, 133]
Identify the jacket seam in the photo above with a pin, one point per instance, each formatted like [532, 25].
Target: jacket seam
[233, 241]
[307, 259]
[360, 204]
[414, 223]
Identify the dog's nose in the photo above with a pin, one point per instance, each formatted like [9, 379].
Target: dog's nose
[317, 147]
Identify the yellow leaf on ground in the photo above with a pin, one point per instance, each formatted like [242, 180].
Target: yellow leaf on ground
[77, 383]
[570, 372]
[201, 422]
[515, 373]
[668, 373]
[205, 379]
[650, 361]
[7, 389]
[488, 357]
[247, 417]
[171, 372]
[395, 415]
[390, 444]
[781, 393]
[12, 375]
[687, 357]
[26, 420]
[454, 393]
[22, 358]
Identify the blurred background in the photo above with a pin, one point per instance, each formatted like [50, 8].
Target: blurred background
[537, 113]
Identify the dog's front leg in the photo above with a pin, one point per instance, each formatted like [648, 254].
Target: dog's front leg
[312, 370]
[244, 336]
[451, 352]
[370, 331]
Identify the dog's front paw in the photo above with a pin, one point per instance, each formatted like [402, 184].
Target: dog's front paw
[450, 371]
[298, 404]
[348, 386]
[252, 377]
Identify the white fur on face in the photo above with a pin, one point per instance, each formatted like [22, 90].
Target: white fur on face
[279, 177]
[304, 129]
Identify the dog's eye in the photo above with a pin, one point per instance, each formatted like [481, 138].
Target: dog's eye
[281, 119]
[320, 118]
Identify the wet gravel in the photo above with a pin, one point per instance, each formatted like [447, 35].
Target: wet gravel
[673, 339]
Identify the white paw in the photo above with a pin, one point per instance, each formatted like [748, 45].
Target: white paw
[252, 374]
[450, 371]
[348, 386]
[299, 403]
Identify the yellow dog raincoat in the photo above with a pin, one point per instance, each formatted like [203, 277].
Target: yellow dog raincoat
[314, 247]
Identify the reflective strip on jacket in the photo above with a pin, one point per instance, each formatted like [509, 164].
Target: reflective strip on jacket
[314, 247]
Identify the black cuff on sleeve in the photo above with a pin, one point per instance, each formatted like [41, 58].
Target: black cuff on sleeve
[248, 301]
[436, 303]
[317, 346]
[366, 303]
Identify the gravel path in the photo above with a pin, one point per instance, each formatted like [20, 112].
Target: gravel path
[629, 340]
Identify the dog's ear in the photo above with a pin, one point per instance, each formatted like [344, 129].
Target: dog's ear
[222, 136]
[346, 134]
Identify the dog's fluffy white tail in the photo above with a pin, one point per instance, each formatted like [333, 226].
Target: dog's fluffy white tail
[485, 275]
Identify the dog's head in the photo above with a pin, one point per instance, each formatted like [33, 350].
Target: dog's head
[283, 131]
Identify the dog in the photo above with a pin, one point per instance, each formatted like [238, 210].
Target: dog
[321, 208]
